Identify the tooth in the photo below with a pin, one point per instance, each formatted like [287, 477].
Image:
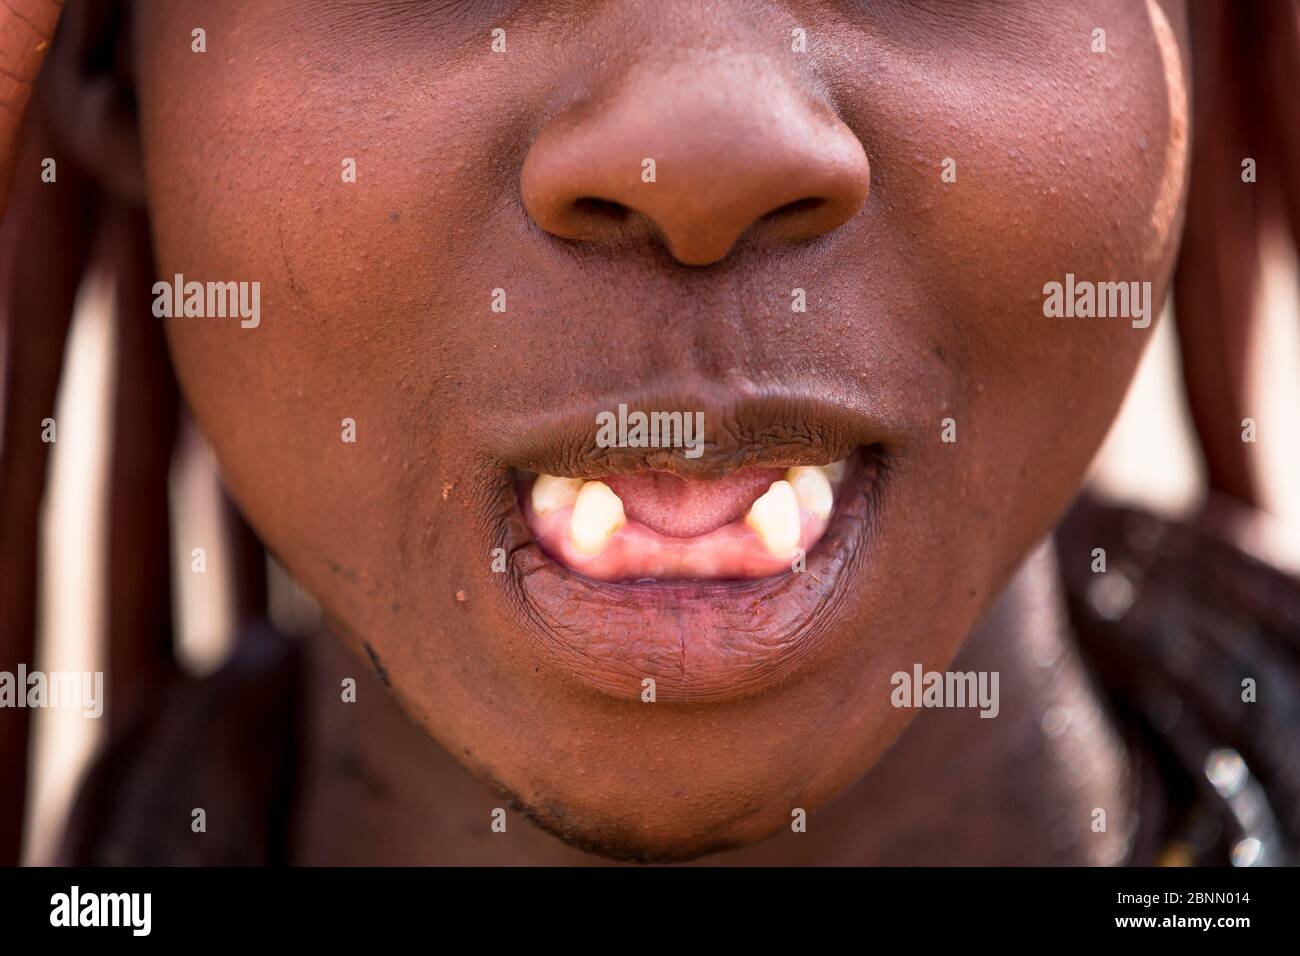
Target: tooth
[813, 489]
[551, 493]
[597, 514]
[835, 470]
[775, 517]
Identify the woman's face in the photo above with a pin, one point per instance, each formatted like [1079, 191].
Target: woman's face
[921, 170]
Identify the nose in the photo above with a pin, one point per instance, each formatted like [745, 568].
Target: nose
[699, 154]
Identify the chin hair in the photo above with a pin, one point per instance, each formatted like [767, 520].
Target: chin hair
[612, 841]
[603, 838]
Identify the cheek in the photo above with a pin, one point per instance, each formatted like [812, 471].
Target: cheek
[1066, 162]
[354, 220]
[1059, 160]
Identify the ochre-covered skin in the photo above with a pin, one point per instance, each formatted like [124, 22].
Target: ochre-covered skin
[775, 171]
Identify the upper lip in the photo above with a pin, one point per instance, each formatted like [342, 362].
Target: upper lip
[767, 429]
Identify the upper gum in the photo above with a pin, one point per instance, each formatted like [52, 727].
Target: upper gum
[784, 477]
[605, 478]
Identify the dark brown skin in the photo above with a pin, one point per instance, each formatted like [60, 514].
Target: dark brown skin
[954, 789]
[925, 303]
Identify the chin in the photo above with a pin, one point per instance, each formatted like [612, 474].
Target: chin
[671, 831]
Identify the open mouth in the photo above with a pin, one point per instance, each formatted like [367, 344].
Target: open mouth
[654, 526]
[713, 578]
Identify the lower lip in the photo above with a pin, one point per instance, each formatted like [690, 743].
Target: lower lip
[699, 641]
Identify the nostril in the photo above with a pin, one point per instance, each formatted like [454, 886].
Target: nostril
[733, 148]
[798, 207]
[605, 210]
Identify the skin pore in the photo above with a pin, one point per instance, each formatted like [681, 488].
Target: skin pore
[776, 170]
